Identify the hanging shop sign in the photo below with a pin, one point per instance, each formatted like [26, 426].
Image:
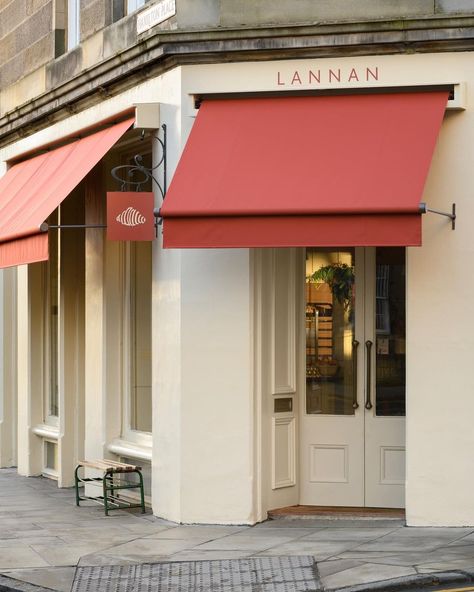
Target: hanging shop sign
[130, 216]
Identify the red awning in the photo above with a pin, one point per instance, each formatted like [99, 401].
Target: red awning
[304, 171]
[31, 190]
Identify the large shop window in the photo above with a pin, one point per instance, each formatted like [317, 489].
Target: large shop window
[139, 367]
[137, 317]
[50, 283]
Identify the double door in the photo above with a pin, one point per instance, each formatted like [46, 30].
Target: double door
[352, 448]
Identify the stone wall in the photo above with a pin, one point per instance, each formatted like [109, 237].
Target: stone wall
[26, 38]
[95, 15]
[268, 12]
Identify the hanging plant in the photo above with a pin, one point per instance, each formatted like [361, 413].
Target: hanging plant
[340, 278]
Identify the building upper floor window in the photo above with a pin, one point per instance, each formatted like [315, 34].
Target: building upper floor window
[121, 8]
[73, 23]
[134, 5]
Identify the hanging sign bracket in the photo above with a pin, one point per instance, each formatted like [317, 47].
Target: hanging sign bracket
[126, 174]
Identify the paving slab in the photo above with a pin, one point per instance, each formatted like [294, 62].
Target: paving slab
[202, 533]
[348, 534]
[407, 558]
[53, 578]
[290, 533]
[334, 566]
[321, 550]
[67, 555]
[414, 539]
[242, 543]
[450, 565]
[364, 574]
[29, 540]
[144, 550]
[19, 557]
[8, 584]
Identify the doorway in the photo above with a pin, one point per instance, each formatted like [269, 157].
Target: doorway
[352, 447]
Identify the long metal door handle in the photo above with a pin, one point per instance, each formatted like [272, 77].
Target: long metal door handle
[355, 345]
[368, 386]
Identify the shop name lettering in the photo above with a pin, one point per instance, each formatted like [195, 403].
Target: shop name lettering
[329, 76]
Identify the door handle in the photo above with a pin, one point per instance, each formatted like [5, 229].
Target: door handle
[368, 386]
[355, 345]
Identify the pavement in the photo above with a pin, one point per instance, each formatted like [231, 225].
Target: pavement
[47, 543]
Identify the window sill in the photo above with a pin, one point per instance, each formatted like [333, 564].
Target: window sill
[46, 431]
[130, 450]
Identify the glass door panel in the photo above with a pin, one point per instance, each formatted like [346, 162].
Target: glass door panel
[390, 332]
[329, 331]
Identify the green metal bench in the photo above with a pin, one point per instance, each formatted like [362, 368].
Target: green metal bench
[111, 482]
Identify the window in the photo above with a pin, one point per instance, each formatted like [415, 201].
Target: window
[50, 460]
[136, 296]
[134, 5]
[51, 328]
[67, 25]
[73, 23]
[137, 340]
[121, 8]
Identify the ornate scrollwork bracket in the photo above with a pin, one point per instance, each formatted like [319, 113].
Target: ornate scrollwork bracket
[132, 177]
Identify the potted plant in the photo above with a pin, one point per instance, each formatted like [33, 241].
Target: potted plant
[340, 279]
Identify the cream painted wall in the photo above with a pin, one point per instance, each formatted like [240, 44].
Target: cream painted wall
[216, 426]
[166, 346]
[203, 431]
[440, 339]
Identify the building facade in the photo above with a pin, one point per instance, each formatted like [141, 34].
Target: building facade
[262, 372]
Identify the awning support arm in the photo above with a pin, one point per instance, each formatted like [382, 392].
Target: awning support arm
[452, 216]
[45, 226]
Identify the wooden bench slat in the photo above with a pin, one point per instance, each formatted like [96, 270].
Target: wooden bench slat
[106, 465]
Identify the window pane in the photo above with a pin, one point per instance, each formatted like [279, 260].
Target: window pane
[51, 455]
[390, 331]
[73, 23]
[329, 331]
[140, 310]
[134, 5]
[51, 328]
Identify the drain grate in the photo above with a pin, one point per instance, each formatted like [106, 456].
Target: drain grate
[255, 574]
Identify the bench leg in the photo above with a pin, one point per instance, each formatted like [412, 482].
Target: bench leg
[142, 493]
[106, 501]
[76, 484]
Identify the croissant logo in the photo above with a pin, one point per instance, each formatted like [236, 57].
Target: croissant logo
[131, 217]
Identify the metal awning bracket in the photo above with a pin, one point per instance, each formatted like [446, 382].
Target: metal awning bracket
[452, 216]
[44, 227]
